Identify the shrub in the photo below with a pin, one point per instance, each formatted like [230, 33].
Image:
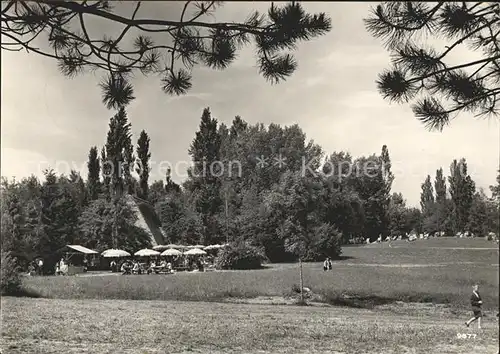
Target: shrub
[325, 242]
[240, 256]
[10, 277]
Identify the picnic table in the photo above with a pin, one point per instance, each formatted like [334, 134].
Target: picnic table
[160, 269]
[181, 268]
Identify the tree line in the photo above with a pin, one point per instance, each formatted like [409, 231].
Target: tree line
[265, 186]
[458, 207]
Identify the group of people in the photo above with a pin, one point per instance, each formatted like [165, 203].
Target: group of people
[36, 267]
[134, 267]
[61, 267]
[157, 266]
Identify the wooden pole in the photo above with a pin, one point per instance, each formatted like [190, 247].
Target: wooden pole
[301, 281]
[227, 225]
[114, 230]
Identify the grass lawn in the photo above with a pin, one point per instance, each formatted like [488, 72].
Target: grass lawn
[106, 326]
[421, 291]
[435, 270]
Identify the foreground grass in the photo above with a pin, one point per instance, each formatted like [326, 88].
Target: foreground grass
[89, 326]
[423, 271]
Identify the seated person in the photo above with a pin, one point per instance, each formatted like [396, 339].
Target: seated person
[125, 268]
[31, 269]
[199, 265]
[152, 267]
[136, 268]
[169, 267]
[62, 267]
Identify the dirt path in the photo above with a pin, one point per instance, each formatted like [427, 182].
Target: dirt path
[92, 326]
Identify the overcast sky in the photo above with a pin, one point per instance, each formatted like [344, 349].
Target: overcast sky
[332, 96]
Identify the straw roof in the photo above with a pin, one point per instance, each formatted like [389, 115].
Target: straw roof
[147, 219]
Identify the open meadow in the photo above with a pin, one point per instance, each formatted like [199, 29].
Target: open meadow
[407, 297]
[436, 270]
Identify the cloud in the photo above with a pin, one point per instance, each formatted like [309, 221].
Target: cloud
[355, 57]
[22, 163]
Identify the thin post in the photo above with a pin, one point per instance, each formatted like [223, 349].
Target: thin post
[227, 225]
[301, 281]
[114, 231]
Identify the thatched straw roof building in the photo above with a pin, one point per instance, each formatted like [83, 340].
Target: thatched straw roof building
[147, 219]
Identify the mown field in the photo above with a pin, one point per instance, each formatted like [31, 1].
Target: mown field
[436, 270]
[96, 314]
[119, 326]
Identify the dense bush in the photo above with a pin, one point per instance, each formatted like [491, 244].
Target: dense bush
[10, 277]
[240, 256]
[325, 242]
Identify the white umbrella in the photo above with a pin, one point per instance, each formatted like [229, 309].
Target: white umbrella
[114, 253]
[171, 252]
[196, 246]
[213, 247]
[177, 247]
[160, 248]
[146, 253]
[195, 251]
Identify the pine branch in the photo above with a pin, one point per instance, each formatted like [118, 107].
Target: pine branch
[214, 44]
[417, 69]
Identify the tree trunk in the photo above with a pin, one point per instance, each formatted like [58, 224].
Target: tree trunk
[114, 231]
[227, 225]
[301, 281]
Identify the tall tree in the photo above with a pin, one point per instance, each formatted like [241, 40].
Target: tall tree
[417, 68]
[119, 161]
[343, 204]
[170, 186]
[93, 179]
[440, 186]
[173, 216]
[478, 216]
[13, 238]
[106, 174]
[119, 153]
[206, 175]
[195, 38]
[237, 127]
[388, 178]
[441, 200]
[462, 189]
[128, 150]
[427, 195]
[59, 218]
[77, 189]
[156, 192]
[143, 156]
[372, 189]
[397, 214]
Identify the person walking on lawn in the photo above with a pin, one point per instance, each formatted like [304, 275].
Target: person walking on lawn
[476, 303]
